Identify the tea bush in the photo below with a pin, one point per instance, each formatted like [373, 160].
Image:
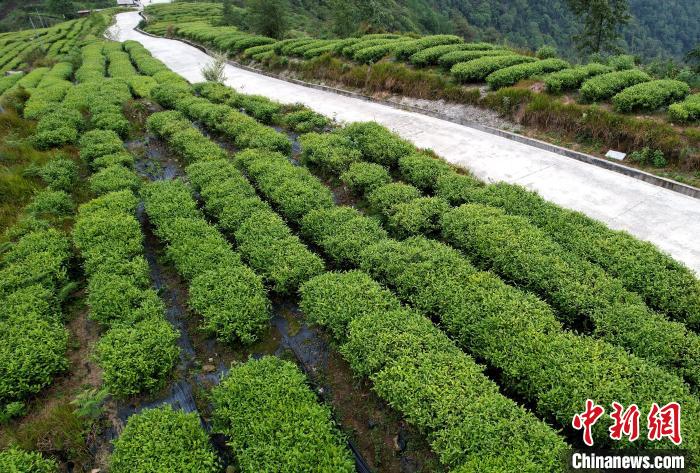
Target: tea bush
[331, 152]
[477, 70]
[448, 60]
[228, 295]
[384, 199]
[412, 363]
[20, 461]
[570, 79]
[420, 216]
[114, 178]
[291, 189]
[362, 178]
[293, 431]
[412, 47]
[604, 86]
[674, 289]
[264, 240]
[422, 171]
[163, 439]
[60, 174]
[514, 74]
[581, 292]
[50, 202]
[685, 111]
[376, 143]
[138, 358]
[650, 96]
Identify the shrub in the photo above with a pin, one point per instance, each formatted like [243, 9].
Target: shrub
[15, 460]
[384, 199]
[50, 202]
[122, 159]
[376, 52]
[430, 56]
[293, 190]
[122, 296]
[477, 69]
[32, 352]
[605, 86]
[96, 143]
[569, 79]
[376, 143]
[363, 178]
[293, 431]
[332, 300]
[163, 439]
[513, 74]
[305, 121]
[648, 157]
[419, 216]
[60, 174]
[342, 233]
[332, 152]
[581, 292]
[650, 95]
[139, 357]
[546, 52]
[621, 62]
[674, 289]
[271, 249]
[410, 48]
[422, 171]
[114, 178]
[230, 297]
[685, 111]
[448, 60]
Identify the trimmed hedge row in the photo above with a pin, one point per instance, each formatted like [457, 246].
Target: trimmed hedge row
[650, 95]
[229, 296]
[476, 70]
[582, 293]
[485, 315]
[245, 131]
[138, 351]
[7, 82]
[685, 111]
[604, 86]
[33, 341]
[15, 460]
[291, 189]
[570, 79]
[185, 140]
[429, 56]
[49, 92]
[514, 74]
[448, 60]
[292, 433]
[264, 241]
[423, 375]
[296, 117]
[362, 178]
[674, 289]
[412, 47]
[375, 53]
[163, 439]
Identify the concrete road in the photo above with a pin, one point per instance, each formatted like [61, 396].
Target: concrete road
[666, 218]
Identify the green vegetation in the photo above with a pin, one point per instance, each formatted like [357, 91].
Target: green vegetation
[16, 460]
[604, 86]
[569, 79]
[514, 74]
[650, 95]
[685, 111]
[162, 440]
[477, 70]
[293, 431]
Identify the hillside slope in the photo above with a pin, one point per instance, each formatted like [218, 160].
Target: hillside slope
[652, 32]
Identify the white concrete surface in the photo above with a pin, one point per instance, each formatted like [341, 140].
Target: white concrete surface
[666, 218]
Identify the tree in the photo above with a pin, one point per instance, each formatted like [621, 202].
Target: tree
[268, 17]
[64, 8]
[602, 21]
[693, 57]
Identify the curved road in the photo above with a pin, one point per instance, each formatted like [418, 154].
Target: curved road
[666, 218]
